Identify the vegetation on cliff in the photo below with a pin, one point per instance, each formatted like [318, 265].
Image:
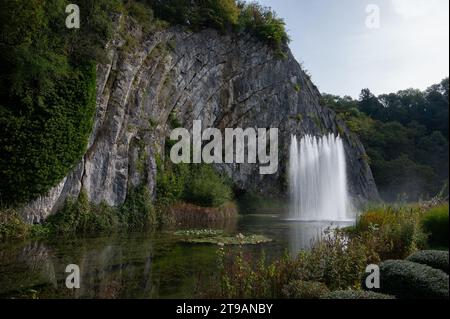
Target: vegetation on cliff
[225, 15]
[48, 80]
[47, 92]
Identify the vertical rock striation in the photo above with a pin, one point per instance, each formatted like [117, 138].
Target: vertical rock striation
[222, 80]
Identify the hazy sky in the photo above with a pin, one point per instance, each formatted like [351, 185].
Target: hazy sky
[330, 37]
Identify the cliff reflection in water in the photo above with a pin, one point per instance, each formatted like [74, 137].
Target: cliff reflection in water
[153, 265]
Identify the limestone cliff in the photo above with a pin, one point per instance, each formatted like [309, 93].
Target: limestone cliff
[225, 81]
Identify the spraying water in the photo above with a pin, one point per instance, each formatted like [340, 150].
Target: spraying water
[318, 179]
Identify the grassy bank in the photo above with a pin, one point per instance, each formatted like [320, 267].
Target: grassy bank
[184, 194]
[335, 266]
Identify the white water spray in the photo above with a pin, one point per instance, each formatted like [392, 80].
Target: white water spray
[318, 179]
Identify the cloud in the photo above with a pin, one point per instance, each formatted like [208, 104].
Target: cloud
[417, 8]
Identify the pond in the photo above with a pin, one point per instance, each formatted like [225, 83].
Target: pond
[144, 265]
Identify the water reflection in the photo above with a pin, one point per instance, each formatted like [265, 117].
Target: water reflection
[139, 266]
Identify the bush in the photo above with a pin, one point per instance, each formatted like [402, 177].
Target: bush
[409, 280]
[78, 216]
[264, 23]
[390, 232]
[434, 258]
[333, 262]
[170, 181]
[138, 213]
[195, 184]
[435, 223]
[207, 188]
[225, 15]
[304, 290]
[12, 226]
[356, 294]
[337, 262]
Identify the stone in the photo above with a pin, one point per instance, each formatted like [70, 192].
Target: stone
[225, 81]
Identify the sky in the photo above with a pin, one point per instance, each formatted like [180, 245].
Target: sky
[408, 49]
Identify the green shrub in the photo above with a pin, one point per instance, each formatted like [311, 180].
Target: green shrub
[434, 258]
[138, 212]
[304, 290]
[264, 23]
[390, 232]
[225, 15]
[243, 277]
[220, 14]
[249, 203]
[409, 280]
[207, 188]
[12, 226]
[170, 181]
[196, 184]
[47, 91]
[356, 294]
[334, 260]
[436, 224]
[79, 216]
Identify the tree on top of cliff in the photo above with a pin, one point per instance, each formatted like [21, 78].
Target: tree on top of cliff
[225, 15]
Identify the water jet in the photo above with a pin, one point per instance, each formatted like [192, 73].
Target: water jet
[318, 179]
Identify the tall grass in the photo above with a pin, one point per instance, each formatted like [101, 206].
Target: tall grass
[436, 224]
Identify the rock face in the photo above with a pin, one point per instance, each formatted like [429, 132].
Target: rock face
[225, 81]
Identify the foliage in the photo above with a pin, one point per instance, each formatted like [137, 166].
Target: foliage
[390, 232]
[138, 212]
[305, 290]
[434, 258]
[243, 279]
[47, 86]
[171, 181]
[338, 261]
[435, 222]
[225, 15]
[407, 280]
[223, 240]
[265, 24]
[199, 233]
[249, 203]
[197, 184]
[47, 91]
[80, 216]
[206, 188]
[12, 226]
[355, 294]
[405, 135]
[143, 15]
[334, 262]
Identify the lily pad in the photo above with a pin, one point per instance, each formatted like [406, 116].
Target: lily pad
[199, 233]
[229, 240]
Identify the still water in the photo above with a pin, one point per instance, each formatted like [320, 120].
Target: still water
[147, 265]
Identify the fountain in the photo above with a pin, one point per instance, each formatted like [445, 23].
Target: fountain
[318, 179]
